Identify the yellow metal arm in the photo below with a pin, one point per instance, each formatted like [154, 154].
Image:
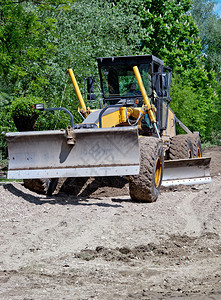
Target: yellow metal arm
[150, 108]
[77, 90]
[144, 94]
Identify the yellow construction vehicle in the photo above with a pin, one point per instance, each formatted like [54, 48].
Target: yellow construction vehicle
[133, 134]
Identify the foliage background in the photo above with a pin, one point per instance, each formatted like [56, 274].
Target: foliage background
[39, 41]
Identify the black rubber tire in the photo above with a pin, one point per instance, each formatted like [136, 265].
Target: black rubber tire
[51, 186]
[181, 147]
[142, 187]
[43, 186]
[196, 141]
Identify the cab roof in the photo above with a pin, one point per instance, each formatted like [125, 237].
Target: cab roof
[133, 60]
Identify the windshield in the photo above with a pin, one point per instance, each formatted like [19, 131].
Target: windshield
[120, 81]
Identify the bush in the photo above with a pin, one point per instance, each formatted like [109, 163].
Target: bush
[23, 114]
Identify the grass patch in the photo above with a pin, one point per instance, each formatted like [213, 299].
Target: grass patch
[2, 180]
[208, 145]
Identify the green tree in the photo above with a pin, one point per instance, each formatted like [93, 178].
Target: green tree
[24, 47]
[86, 31]
[209, 25]
[191, 101]
[39, 41]
[169, 32]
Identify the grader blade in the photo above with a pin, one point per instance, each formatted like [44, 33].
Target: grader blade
[186, 171]
[89, 152]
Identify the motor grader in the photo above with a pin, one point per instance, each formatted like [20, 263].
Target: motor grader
[133, 134]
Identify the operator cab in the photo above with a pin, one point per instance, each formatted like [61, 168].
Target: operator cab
[119, 84]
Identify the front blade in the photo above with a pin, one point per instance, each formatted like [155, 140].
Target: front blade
[97, 152]
[186, 171]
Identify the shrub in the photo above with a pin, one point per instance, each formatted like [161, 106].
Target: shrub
[24, 116]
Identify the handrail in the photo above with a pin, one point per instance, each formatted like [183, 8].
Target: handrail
[104, 109]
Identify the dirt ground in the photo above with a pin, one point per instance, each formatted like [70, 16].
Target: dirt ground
[107, 247]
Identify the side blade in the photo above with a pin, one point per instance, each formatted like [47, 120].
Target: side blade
[96, 152]
[186, 171]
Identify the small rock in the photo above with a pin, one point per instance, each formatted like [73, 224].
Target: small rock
[66, 265]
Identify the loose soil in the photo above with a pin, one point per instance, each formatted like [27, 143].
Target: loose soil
[91, 241]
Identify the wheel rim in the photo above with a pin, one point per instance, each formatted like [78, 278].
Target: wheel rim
[199, 154]
[158, 171]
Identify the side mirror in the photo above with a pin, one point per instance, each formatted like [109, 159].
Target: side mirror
[164, 81]
[90, 85]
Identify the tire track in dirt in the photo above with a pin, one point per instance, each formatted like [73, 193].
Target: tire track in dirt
[193, 225]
